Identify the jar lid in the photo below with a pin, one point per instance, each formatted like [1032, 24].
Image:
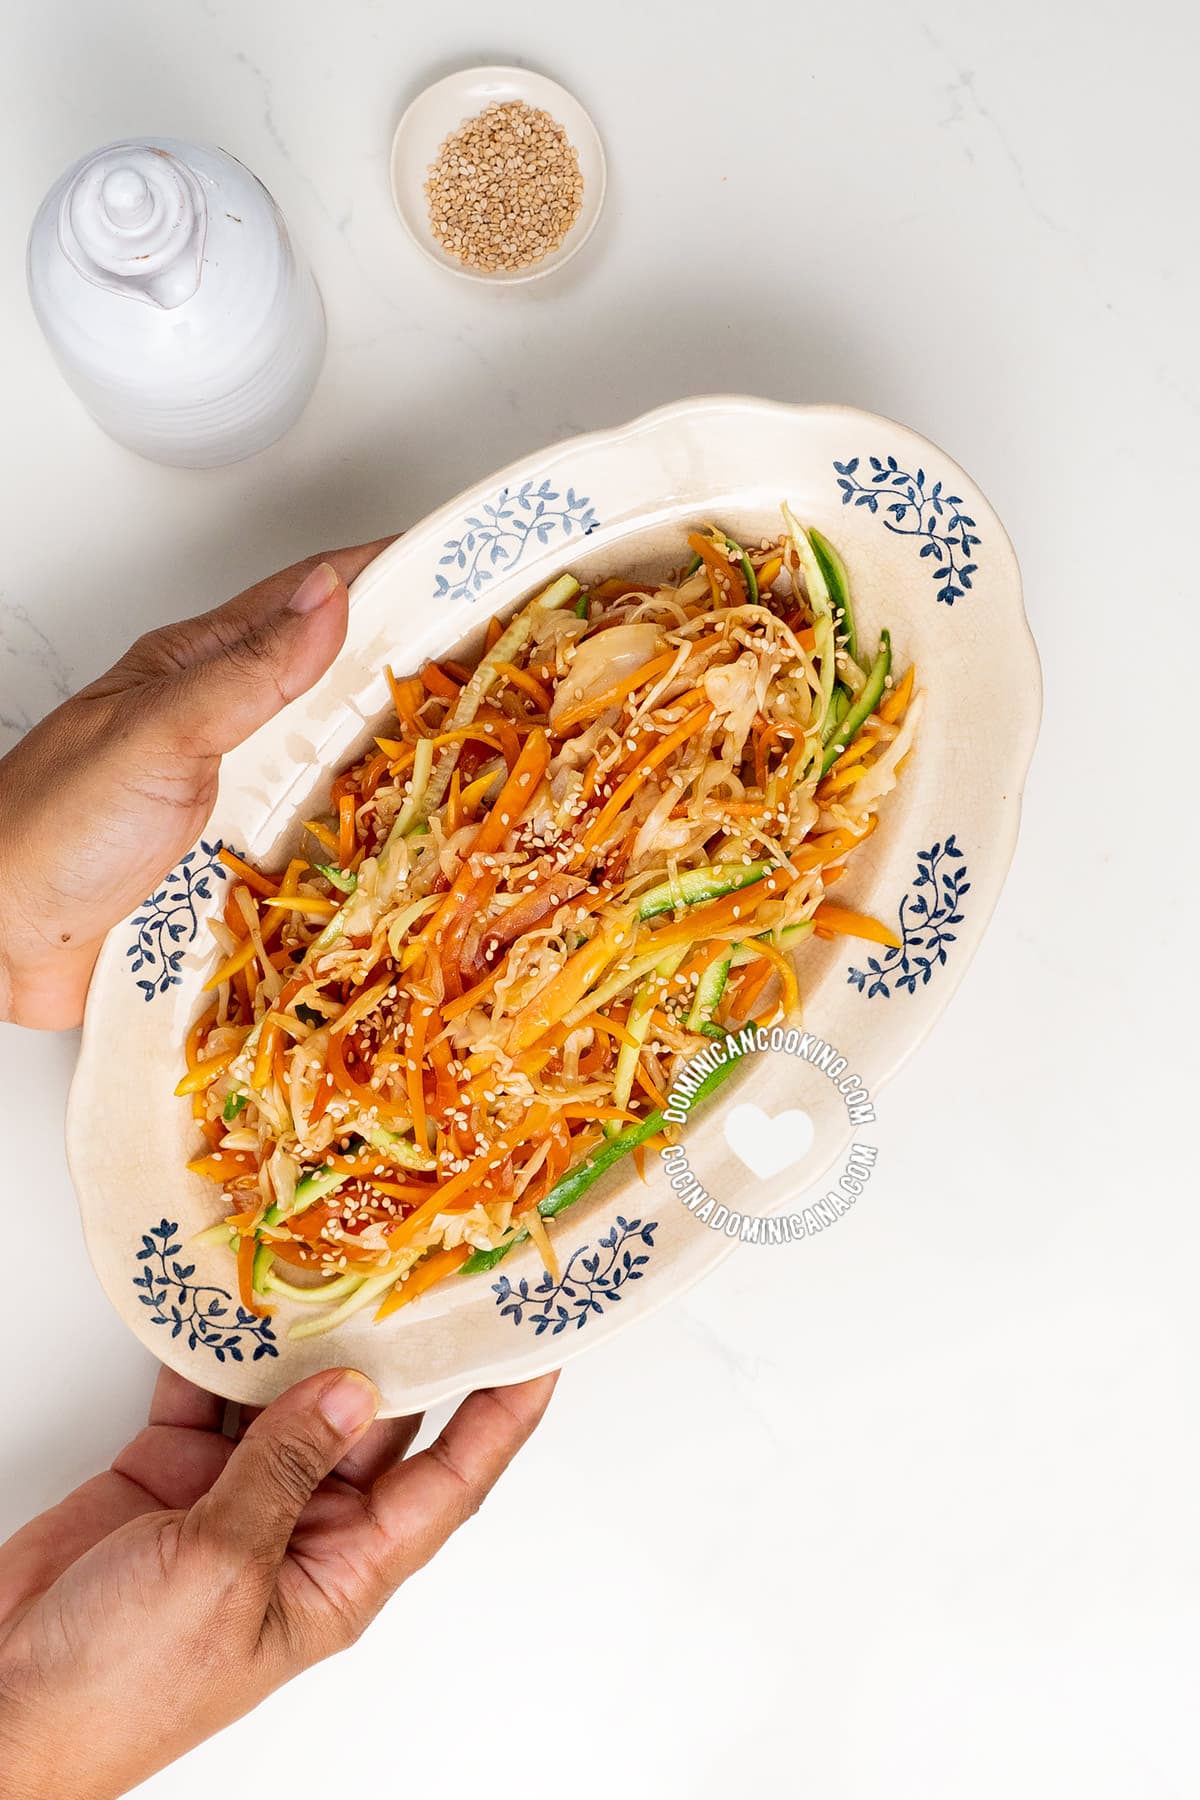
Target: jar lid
[133, 221]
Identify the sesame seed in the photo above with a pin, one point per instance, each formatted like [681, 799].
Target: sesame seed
[505, 188]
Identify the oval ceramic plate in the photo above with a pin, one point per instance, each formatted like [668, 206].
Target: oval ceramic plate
[449, 103]
[926, 556]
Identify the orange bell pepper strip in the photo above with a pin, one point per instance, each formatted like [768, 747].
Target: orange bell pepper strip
[455, 812]
[844, 923]
[311, 906]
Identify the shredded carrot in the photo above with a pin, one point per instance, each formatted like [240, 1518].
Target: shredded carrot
[258, 884]
[450, 1194]
[436, 681]
[612, 696]
[231, 912]
[513, 800]
[495, 631]
[422, 1276]
[308, 904]
[625, 792]
[455, 1009]
[528, 684]
[455, 812]
[221, 1165]
[407, 696]
[782, 965]
[566, 989]
[844, 923]
[726, 580]
[611, 1028]
[323, 835]
[206, 1072]
[345, 829]
[262, 1060]
[723, 915]
[643, 1080]
[892, 710]
[195, 1037]
[414, 1050]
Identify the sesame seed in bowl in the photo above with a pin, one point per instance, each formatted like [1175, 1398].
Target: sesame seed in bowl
[497, 174]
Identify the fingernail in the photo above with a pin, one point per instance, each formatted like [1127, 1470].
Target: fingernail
[349, 1403]
[314, 590]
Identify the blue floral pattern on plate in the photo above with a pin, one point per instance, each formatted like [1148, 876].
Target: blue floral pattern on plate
[926, 912]
[911, 510]
[167, 922]
[208, 1314]
[591, 1280]
[496, 538]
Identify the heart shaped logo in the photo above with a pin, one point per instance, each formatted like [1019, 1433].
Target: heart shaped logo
[767, 1145]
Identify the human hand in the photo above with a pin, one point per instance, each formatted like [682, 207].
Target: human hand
[164, 1599]
[103, 797]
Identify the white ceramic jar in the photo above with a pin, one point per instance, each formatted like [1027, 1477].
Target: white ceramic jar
[166, 284]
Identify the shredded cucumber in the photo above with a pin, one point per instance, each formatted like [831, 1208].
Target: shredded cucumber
[863, 707]
[638, 1025]
[694, 885]
[367, 1288]
[838, 583]
[708, 991]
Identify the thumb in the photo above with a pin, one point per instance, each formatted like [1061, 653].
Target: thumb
[219, 677]
[255, 1503]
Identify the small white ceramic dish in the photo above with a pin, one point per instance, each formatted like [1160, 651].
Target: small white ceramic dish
[926, 556]
[446, 105]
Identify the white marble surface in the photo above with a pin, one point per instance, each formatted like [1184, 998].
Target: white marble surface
[907, 1513]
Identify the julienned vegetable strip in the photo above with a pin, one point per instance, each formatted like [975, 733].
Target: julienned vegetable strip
[838, 582]
[863, 707]
[695, 885]
[546, 885]
[575, 1184]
